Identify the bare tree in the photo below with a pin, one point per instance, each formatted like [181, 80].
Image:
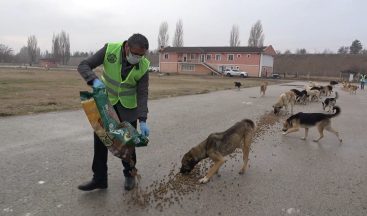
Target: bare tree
[178, 38]
[61, 47]
[256, 38]
[6, 53]
[234, 40]
[56, 47]
[343, 50]
[287, 52]
[302, 51]
[22, 56]
[64, 47]
[163, 35]
[327, 51]
[32, 49]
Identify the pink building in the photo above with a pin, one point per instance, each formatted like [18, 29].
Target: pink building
[257, 61]
[48, 63]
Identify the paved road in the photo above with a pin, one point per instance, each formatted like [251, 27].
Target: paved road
[44, 157]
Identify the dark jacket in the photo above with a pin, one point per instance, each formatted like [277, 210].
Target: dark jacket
[86, 67]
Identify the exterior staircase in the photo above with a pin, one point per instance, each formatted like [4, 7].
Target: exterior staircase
[212, 69]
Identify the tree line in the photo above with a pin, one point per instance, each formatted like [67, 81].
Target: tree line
[355, 48]
[61, 45]
[256, 38]
[31, 53]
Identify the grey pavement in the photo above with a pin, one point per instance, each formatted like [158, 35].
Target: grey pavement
[44, 157]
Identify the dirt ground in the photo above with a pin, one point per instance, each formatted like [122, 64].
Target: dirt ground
[26, 91]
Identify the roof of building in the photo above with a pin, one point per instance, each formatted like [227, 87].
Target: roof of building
[214, 49]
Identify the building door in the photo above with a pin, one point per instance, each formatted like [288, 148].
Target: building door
[202, 58]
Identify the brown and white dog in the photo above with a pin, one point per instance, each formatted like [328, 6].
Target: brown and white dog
[285, 99]
[218, 145]
[263, 87]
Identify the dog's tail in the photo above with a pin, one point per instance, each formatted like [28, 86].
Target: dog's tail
[336, 95]
[337, 112]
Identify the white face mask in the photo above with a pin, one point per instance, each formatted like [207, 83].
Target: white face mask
[133, 59]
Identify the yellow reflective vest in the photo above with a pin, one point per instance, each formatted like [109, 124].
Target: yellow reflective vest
[118, 90]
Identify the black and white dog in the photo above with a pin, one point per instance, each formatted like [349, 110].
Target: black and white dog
[330, 102]
[301, 96]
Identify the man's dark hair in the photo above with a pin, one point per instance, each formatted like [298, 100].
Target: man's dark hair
[138, 40]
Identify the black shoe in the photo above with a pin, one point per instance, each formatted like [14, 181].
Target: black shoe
[93, 184]
[129, 183]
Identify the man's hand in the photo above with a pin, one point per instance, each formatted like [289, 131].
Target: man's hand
[98, 84]
[144, 129]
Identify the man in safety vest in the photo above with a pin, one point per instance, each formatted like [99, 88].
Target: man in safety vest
[126, 80]
[363, 80]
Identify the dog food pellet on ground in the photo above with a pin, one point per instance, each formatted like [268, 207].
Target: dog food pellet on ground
[172, 189]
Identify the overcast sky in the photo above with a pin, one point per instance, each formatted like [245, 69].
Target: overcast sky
[315, 25]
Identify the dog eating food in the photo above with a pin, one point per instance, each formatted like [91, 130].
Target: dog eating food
[218, 145]
[285, 99]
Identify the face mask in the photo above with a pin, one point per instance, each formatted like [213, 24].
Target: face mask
[133, 59]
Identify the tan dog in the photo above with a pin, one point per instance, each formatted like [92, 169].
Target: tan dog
[346, 85]
[313, 94]
[218, 145]
[284, 100]
[352, 89]
[263, 87]
[306, 120]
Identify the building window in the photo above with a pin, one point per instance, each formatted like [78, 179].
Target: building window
[187, 67]
[185, 58]
[248, 55]
[217, 57]
[166, 56]
[192, 56]
[238, 55]
[230, 57]
[208, 56]
[237, 67]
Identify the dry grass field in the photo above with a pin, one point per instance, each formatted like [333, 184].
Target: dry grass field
[26, 91]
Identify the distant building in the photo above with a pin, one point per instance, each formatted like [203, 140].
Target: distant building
[48, 63]
[257, 61]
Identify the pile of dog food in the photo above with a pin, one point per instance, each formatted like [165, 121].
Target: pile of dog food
[171, 190]
[264, 124]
